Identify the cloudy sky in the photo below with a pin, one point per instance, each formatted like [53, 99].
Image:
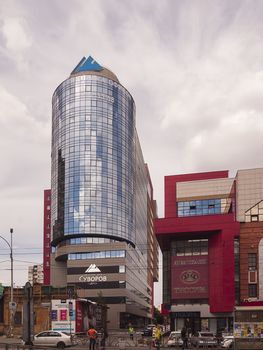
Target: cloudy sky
[194, 68]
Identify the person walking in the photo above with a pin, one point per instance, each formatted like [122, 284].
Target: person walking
[184, 338]
[92, 334]
[131, 331]
[158, 337]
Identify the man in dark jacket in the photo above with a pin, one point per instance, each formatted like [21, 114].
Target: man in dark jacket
[184, 338]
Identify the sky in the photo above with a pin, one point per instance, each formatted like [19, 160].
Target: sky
[193, 67]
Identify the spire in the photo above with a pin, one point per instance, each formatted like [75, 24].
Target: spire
[87, 64]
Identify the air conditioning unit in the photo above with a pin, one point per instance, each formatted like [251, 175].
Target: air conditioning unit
[252, 277]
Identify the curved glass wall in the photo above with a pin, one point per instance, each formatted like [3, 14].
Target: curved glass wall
[93, 159]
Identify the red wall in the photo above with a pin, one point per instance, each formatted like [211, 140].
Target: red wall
[220, 230]
[46, 236]
[189, 277]
[170, 187]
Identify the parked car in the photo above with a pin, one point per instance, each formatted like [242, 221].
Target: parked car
[53, 338]
[228, 342]
[175, 339]
[204, 339]
[148, 331]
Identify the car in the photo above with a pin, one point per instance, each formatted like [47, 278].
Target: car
[175, 339]
[228, 342]
[53, 338]
[204, 339]
[148, 331]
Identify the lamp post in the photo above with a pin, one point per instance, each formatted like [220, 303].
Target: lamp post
[11, 305]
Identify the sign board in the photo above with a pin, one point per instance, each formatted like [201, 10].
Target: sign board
[12, 305]
[189, 277]
[63, 315]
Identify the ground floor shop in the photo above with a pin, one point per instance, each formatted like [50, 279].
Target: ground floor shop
[198, 318]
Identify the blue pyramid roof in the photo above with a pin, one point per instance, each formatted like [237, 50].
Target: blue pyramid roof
[87, 64]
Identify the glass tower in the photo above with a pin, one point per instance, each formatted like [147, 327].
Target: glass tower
[93, 156]
[102, 208]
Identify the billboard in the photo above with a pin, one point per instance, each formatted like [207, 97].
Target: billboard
[189, 276]
[63, 315]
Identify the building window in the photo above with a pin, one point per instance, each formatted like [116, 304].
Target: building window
[252, 261]
[98, 255]
[190, 247]
[122, 284]
[121, 269]
[254, 217]
[203, 207]
[252, 290]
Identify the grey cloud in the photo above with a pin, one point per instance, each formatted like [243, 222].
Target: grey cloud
[194, 68]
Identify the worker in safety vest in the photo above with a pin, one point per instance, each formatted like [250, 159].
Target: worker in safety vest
[131, 332]
[158, 336]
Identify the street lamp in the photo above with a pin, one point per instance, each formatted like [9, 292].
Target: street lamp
[11, 305]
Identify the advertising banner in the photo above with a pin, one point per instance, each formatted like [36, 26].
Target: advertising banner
[63, 315]
[248, 330]
[189, 275]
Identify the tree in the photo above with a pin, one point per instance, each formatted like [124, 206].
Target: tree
[158, 317]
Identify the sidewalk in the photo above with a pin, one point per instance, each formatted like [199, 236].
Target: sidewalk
[14, 340]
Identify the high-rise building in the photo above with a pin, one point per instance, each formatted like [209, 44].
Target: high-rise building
[102, 206]
[35, 274]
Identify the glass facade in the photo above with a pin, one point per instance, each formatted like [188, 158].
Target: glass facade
[97, 255]
[201, 207]
[99, 197]
[190, 247]
[93, 159]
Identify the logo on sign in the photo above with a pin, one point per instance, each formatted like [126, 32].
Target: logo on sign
[92, 269]
[190, 276]
[93, 279]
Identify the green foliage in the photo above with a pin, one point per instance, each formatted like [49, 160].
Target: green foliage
[158, 317]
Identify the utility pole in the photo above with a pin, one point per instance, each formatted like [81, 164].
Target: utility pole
[12, 285]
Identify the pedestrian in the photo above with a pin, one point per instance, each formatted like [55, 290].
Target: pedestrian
[184, 338]
[131, 331]
[158, 337]
[104, 335]
[92, 334]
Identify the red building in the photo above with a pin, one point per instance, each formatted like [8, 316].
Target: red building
[46, 236]
[197, 237]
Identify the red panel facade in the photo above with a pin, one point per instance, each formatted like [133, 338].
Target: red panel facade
[189, 276]
[220, 230]
[46, 236]
[170, 187]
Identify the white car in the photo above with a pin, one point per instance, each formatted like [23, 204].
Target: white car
[204, 339]
[175, 339]
[228, 342]
[53, 338]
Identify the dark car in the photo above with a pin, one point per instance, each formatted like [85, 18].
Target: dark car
[148, 331]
